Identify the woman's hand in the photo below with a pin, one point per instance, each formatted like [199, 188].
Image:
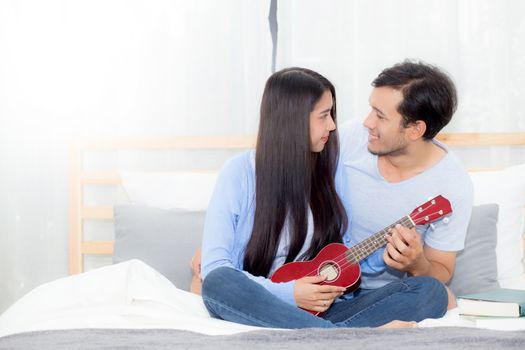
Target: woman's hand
[196, 282]
[195, 264]
[311, 295]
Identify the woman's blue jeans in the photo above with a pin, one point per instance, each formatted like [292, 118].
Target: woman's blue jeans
[230, 295]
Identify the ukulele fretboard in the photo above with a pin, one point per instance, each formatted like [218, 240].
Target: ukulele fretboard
[364, 248]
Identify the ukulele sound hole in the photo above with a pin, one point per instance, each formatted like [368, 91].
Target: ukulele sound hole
[330, 270]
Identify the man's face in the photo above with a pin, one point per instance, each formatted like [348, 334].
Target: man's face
[386, 134]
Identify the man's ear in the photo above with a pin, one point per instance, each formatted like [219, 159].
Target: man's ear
[417, 129]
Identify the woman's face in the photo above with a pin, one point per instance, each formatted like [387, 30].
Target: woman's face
[321, 122]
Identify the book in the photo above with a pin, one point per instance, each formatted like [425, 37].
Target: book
[496, 323]
[500, 302]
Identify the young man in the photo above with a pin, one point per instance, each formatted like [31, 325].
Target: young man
[393, 165]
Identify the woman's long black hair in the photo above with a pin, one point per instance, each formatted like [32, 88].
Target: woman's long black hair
[290, 178]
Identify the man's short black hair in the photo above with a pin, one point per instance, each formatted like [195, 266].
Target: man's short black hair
[428, 94]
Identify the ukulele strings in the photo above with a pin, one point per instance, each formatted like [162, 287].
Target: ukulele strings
[417, 219]
[346, 259]
[346, 263]
[343, 262]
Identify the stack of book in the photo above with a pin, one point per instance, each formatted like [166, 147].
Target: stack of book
[497, 309]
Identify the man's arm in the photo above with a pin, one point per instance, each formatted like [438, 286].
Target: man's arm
[406, 252]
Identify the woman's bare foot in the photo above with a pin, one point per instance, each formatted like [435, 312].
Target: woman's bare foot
[399, 324]
[451, 299]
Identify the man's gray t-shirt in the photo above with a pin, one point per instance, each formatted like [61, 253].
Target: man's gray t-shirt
[376, 203]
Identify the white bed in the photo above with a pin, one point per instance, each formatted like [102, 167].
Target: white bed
[133, 295]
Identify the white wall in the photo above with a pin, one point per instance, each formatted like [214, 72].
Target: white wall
[89, 68]
[479, 42]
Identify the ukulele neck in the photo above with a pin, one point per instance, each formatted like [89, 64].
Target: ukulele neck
[364, 248]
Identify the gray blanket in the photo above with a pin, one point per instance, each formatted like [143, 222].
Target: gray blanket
[361, 339]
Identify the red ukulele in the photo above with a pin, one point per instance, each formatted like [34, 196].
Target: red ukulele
[341, 264]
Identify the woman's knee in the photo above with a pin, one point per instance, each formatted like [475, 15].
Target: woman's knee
[215, 290]
[430, 292]
[219, 277]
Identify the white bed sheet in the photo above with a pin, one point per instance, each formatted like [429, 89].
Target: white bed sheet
[127, 295]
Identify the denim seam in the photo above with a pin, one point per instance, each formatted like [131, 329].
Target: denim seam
[234, 311]
[356, 315]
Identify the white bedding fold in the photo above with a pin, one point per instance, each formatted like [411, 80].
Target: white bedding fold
[126, 295]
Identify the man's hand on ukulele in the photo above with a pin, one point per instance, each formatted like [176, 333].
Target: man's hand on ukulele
[404, 250]
[311, 295]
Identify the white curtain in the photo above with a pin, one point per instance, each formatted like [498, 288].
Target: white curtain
[480, 43]
[108, 68]
[72, 68]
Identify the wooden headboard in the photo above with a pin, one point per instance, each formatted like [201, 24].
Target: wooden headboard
[80, 178]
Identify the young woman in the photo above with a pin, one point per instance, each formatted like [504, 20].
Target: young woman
[284, 202]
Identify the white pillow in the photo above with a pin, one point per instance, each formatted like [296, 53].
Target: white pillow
[507, 189]
[170, 190]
